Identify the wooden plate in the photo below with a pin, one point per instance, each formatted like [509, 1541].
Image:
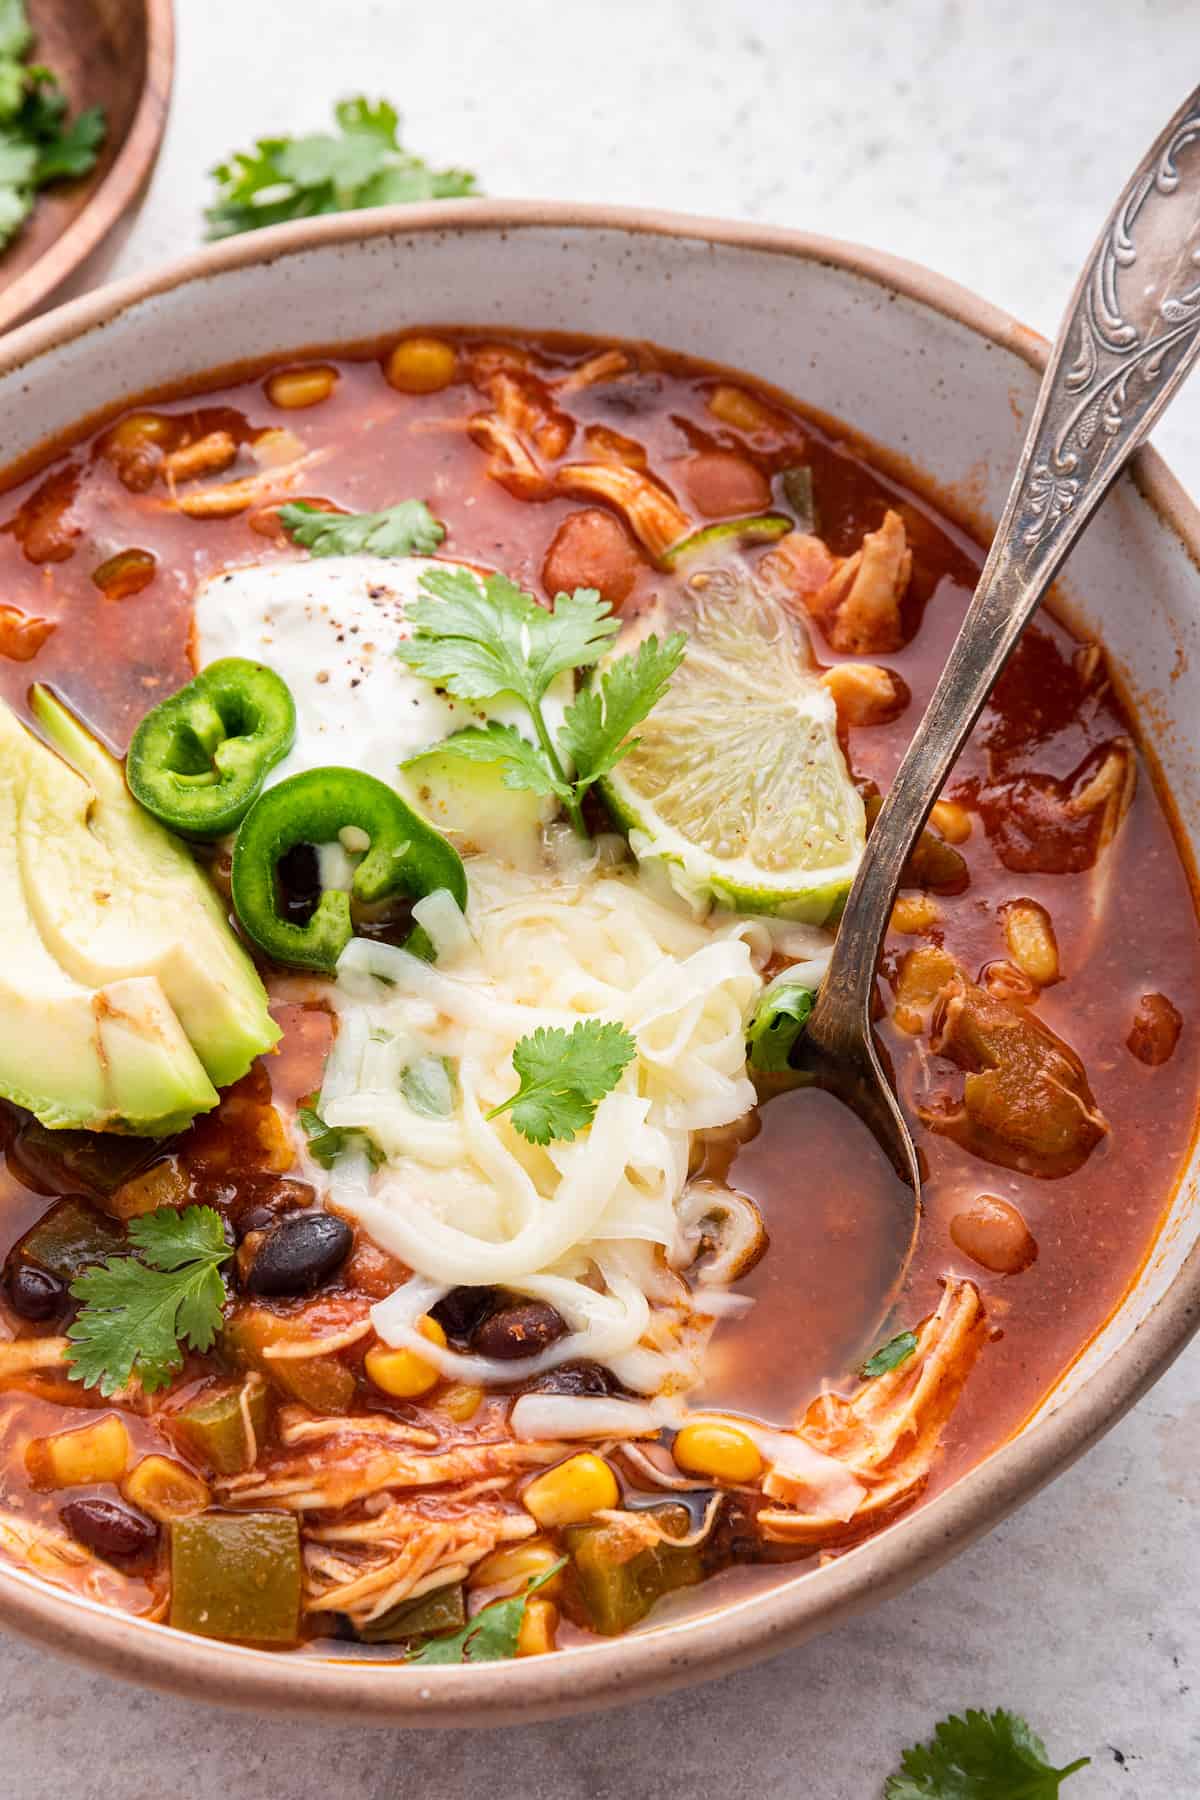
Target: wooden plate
[117, 54]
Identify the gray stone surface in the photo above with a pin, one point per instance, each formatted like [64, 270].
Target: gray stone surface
[985, 141]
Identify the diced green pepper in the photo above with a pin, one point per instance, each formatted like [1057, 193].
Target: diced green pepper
[236, 1575]
[70, 1238]
[88, 1162]
[212, 1428]
[797, 487]
[761, 528]
[617, 1590]
[444, 1609]
[406, 857]
[198, 761]
[321, 1382]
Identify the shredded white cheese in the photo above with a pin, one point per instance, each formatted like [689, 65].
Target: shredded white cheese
[465, 1200]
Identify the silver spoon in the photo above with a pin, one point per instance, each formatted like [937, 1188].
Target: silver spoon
[1130, 336]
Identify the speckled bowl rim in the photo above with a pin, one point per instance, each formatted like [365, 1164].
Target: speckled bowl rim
[743, 1631]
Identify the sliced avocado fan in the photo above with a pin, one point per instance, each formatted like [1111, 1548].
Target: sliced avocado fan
[125, 1000]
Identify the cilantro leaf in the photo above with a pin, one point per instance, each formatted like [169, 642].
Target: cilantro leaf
[327, 1142]
[564, 1075]
[596, 727]
[982, 1756]
[139, 1310]
[482, 637]
[429, 1087]
[38, 144]
[406, 529]
[775, 1024]
[362, 164]
[491, 1636]
[16, 33]
[889, 1356]
[522, 764]
[75, 148]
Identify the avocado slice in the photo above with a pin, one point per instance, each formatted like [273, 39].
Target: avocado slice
[113, 1058]
[114, 895]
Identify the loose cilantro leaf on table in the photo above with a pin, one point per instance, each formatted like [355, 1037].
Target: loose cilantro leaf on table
[491, 1636]
[140, 1309]
[38, 142]
[982, 1756]
[479, 637]
[363, 164]
[564, 1075]
[897, 1350]
[407, 529]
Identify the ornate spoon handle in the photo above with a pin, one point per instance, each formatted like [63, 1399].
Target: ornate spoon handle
[1130, 336]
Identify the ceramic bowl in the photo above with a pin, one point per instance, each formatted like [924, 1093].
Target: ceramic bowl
[943, 382]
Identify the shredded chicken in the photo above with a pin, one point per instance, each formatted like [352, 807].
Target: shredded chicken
[652, 515]
[605, 366]
[365, 1567]
[855, 599]
[887, 1434]
[62, 1561]
[25, 1354]
[360, 1464]
[225, 499]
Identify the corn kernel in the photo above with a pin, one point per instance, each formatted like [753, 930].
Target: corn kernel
[207, 456]
[421, 365]
[539, 1622]
[951, 820]
[294, 388]
[165, 1489]
[572, 1492]
[140, 429]
[721, 1451]
[402, 1373]
[512, 1567]
[1031, 941]
[461, 1402]
[914, 913]
[89, 1454]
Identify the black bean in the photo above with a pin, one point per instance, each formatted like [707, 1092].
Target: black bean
[34, 1294]
[464, 1309]
[296, 1254]
[519, 1330]
[576, 1378]
[109, 1528]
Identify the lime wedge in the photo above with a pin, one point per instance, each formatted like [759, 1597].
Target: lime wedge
[738, 784]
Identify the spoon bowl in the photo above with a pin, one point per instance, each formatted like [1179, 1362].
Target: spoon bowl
[1130, 337]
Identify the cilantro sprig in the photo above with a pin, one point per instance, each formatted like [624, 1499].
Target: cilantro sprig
[362, 164]
[406, 529]
[38, 142]
[564, 1075]
[139, 1310]
[980, 1756]
[479, 637]
[491, 1636]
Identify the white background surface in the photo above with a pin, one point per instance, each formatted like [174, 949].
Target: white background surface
[987, 141]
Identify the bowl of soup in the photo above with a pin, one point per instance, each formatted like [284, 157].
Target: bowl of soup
[450, 663]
